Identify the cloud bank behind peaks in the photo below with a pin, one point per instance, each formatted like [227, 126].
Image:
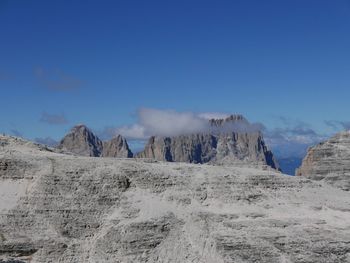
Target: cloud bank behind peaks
[291, 139]
[172, 123]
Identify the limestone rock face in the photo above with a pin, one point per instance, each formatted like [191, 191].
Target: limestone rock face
[81, 140]
[248, 147]
[67, 208]
[116, 147]
[329, 161]
[195, 148]
[224, 143]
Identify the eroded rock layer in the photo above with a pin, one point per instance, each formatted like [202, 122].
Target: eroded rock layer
[65, 208]
[329, 161]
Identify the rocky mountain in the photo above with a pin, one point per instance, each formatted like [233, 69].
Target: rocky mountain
[82, 141]
[195, 148]
[116, 147]
[329, 161]
[66, 208]
[227, 141]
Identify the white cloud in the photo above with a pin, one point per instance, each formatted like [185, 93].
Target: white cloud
[135, 131]
[172, 123]
[293, 139]
[213, 115]
[163, 123]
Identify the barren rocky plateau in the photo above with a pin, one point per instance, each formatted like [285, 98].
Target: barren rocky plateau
[59, 207]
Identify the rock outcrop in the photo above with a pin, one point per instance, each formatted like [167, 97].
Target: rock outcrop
[227, 140]
[116, 147]
[195, 148]
[66, 208]
[329, 161]
[82, 141]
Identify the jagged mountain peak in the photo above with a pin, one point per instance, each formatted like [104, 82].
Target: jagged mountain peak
[82, 141]
[117, 147]
[230, 140]
[80, 128]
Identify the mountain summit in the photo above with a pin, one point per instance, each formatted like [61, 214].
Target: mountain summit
[82, 141]
[227, 141]
[116, 147]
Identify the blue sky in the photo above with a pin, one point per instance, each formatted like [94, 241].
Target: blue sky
[282, 63]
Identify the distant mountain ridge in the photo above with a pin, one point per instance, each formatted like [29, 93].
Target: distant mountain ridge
[221, 144]
[116, 147]
[82, 141]
[226, 141]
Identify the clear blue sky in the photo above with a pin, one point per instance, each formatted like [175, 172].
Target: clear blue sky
[98, 62]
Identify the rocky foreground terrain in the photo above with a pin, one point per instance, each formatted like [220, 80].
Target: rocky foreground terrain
[65, 208]
[329, 161]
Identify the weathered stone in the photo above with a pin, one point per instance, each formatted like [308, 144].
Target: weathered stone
[225, 143]
[67, 208]
[116, 147]
[82, 141]
[329, 161]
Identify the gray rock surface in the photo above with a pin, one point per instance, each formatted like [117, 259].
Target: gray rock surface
[329, 161]
[224, 143]
[116, 147]
[82, 141]
[195, 148]
[66, 208]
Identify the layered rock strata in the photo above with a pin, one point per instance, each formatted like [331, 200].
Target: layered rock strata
[67, 208]
[329, 161]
